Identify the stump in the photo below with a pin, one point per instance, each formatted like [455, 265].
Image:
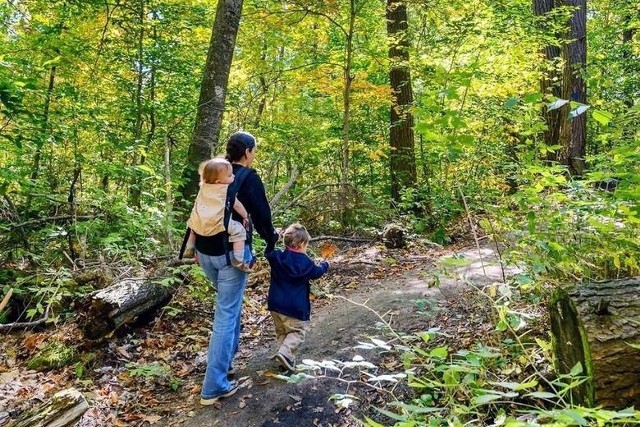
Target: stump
[64, 409]
[596, 324]
[393, 236]
[104, 311]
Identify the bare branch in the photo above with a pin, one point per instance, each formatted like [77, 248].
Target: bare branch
[53, 219]
[342, 239]
[285, 188]
[26, 325]
[303, 193]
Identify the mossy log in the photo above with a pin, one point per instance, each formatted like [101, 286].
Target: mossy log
[64, 409]
[598, 325]
[103, 311]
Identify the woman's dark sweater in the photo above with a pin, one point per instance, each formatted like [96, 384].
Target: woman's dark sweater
[252, 195]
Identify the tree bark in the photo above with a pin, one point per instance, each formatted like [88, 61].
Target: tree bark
[45, 124]
[551, 81]
[594, 324]
[64, 409]
[213, 91]
[346, 108]
[627, 51]
[106, 310]
[401, 137]
[573, 131]
[135, 190]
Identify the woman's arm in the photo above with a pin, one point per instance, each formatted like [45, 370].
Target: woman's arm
[252, 195]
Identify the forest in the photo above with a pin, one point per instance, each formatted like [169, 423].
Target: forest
[511, 126]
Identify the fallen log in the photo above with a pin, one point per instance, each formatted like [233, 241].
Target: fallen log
[598, 325]
[105, 310]
[63, 409]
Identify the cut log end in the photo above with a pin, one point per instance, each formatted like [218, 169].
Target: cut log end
[593, 325]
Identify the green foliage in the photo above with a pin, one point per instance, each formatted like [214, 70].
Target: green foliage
[483, 386]
[574, 229]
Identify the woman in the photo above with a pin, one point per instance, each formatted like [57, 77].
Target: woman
[229, 281]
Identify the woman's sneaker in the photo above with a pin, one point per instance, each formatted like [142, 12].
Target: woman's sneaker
[214, 399]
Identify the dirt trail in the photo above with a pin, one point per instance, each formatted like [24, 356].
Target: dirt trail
[264, 401]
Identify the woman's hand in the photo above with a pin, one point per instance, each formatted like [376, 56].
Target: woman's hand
[195, 257]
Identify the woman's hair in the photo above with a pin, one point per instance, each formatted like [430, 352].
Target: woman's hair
[296, 235]
[237, 145]
[212, 170]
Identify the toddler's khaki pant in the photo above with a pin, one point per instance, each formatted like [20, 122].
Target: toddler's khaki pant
[290, 334]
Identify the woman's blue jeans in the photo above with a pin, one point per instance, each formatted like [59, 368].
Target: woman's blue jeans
[223, 345]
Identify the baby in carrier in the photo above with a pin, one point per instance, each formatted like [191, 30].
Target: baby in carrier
[207, 215]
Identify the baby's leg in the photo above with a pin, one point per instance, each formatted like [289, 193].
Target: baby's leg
[238, 251]
[237, 236]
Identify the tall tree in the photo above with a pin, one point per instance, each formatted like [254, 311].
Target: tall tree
[401, 136]
[573, 127]
[628, 33]
[551, 81]
[348, 82]
[213, 91]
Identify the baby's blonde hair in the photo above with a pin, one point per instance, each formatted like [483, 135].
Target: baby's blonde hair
[296, 235]
[213, 170]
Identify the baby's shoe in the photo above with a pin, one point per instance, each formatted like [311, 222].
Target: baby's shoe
[188, 253]
[241, 265]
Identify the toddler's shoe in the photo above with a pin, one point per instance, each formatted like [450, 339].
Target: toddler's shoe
[285, 362]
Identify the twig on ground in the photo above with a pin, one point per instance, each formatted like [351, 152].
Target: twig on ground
[378, 315]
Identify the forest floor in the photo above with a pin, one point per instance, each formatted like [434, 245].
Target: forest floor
[151, 374]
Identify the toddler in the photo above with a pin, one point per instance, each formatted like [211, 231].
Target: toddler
[289, 290]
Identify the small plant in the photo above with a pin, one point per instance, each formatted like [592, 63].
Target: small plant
[147, 370]
[155, 372]
[54, 355]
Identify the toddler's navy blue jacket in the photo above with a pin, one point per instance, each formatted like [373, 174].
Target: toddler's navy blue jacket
[290, 275]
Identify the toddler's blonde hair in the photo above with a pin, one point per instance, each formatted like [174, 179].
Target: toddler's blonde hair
[296, 235]
[213, 170]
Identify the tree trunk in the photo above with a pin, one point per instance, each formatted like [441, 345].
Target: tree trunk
[595, 325]
[550, 82]
[573, 131]
[136, 182]
[45, 124]
[346, 109]
[627, 52]
[401, 138]
[64, 409]
[106, 310]
[213, 91]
